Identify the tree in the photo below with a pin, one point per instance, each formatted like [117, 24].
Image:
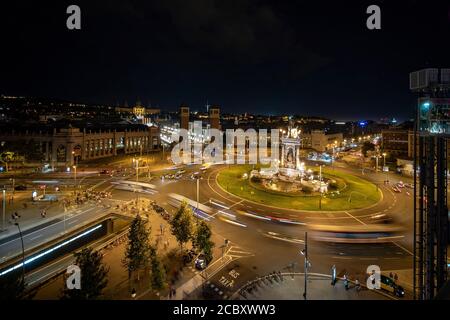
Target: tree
[202, 240]
[158, 274]
[137, 252]
[367, 146]
[11, 286]
[181, 224]
[93, 276]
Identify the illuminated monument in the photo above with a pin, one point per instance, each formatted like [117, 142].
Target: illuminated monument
[290, 153]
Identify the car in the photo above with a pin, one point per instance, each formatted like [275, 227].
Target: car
[20, 187]
[181, 171]
[203, 168]
[105, 171]
[195, 175]
[396, 189]
[388, 284]
[200, 262]
[178, 176]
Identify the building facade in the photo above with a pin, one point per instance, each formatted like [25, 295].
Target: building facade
[69, 145]
[320, 141]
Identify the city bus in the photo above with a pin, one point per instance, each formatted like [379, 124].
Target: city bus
[371, 233]
[135, 186]
[203, 212]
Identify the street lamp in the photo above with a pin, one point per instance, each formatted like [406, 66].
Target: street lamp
[75, 174]
[320, 186]
[198, 195]
[23, 254]
[4, 209]
[304, 253]
[384, 166]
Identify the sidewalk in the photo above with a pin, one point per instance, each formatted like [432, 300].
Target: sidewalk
[319, 288]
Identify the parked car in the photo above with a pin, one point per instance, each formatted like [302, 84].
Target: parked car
[20, 187]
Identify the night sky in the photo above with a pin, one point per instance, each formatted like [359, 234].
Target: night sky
[267, 57]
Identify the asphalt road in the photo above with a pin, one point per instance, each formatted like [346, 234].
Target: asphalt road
[275, 246]
[262, 246]
[11, 246]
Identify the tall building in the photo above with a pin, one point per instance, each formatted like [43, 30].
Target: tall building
[398, 142]
[184, 117]
[214, 117]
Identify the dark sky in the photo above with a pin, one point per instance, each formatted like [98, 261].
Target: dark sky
[270, 57]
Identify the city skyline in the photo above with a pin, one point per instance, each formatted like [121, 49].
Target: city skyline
[317, 59]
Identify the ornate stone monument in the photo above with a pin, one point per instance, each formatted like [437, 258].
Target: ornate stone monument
[290, 153]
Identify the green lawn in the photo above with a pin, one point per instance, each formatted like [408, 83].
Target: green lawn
[361, 192]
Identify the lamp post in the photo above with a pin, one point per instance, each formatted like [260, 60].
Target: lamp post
[13, 186]
[75, 175]
[23, 254]
[304, 252]
[198, 195]
[4, 209]
[320, 186]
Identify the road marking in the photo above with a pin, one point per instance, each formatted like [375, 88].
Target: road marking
[36, 237]
[345, 258]
[236, 203]
[354, 217]
[401, 247]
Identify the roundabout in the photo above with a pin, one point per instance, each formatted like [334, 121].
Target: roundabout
[344, 191]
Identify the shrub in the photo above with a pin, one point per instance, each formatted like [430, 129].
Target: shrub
[307, 189]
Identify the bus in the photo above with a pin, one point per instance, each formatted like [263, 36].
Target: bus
[203, 212]
[371, 233]
[135, 186]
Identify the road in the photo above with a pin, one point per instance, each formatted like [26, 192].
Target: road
[11, 246]
[258, 245]
[274, 246]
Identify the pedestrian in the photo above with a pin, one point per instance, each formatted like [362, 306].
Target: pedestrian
[395, 277]
[333, 275]
[391, 275]
[357, 285]
[133, 293]
[345, 282]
